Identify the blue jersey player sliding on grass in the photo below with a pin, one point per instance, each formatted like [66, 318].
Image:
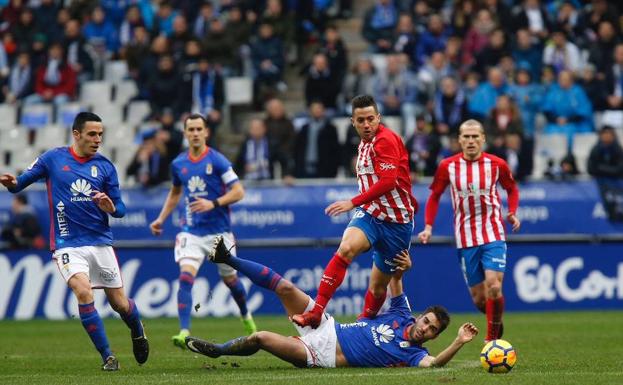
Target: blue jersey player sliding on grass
[391, 339]
[209, 185]
[83, 190]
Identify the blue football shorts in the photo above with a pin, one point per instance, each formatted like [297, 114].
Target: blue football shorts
[387, 239]
[475, 260]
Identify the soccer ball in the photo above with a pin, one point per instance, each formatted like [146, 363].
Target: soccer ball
[498, 356]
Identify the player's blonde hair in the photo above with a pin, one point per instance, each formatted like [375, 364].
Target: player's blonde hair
[472, 123]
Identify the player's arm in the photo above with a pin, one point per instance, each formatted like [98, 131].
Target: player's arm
[466, 333]
[510, 185]
[173, 198]
[440, 182]
[36, 171]
[233, 195]
[385, 167]
[403, 263]
[110, 200]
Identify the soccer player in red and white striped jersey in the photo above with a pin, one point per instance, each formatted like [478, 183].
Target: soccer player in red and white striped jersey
[478, 225]
[383, 220]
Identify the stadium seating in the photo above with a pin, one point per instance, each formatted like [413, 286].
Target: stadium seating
[550, 146]
[36, 115]
[95, 92]
[582, 145]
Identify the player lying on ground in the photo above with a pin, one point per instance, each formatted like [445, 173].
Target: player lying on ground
[393, 338]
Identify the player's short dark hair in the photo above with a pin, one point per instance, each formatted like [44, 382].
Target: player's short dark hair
[82, 118]
[196, 116]
[442, 316]
[363, 101]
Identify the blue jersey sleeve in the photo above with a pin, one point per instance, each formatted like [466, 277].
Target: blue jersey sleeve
[175, 176]
[113, 192]
[37, 170]
[224, 169]
[417, 357]
[400, 304]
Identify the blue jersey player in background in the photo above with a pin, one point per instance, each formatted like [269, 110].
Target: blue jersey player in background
[83, 189]
[209, 185]
[391, 339]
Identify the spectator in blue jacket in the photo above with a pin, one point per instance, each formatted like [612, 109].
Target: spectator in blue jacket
[567, 108]
[483, 99]
[100, 33]
[379, 24]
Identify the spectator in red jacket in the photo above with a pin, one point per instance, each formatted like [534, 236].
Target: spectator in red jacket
[55, 81]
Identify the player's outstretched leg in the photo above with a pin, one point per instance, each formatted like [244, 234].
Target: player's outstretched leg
[259, 274]
[184, 307]
[241, 346]
[140, 345]
[220, 253]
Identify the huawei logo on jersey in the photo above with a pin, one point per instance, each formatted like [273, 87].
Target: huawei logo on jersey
[386, 333]
[196, 183]
[382, 333]
[387, 166]
[81, 187]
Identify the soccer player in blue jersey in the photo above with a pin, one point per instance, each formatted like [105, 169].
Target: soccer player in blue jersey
[83, 190]
[391, 339]
[209, 185]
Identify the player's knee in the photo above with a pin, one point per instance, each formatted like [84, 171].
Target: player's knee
[83, 293]
[285, 288]
[494, 290]
[346, 251]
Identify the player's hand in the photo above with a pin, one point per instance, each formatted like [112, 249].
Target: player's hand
[8, 180]
[200, 205]
[339, 207]
[467, 332]
[156, 227]
[403, 260]
[103, 201]
[514, 221]
[424, 235]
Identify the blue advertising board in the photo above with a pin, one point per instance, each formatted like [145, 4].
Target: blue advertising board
[539, 276]
[298, 212]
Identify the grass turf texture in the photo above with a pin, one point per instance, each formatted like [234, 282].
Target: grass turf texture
[552, 348]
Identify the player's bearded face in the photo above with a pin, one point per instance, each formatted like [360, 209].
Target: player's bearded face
[89, 140]
[366, 121]
[425, 328]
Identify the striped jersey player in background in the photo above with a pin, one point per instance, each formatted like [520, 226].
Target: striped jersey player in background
[478, 226]
[209, 185]
[83, 189]
[383, 219]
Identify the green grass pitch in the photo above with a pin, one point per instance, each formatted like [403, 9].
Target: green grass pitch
[552, 348]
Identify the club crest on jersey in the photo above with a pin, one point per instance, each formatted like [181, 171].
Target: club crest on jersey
[209, 169]
[94, 171]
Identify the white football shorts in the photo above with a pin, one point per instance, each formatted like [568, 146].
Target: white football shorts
[192, 250]
[99, 263]
[320, 343]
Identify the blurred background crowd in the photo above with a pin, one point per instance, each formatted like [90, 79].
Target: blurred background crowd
[274, 79]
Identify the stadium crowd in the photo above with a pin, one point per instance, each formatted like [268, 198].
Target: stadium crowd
[527, 69]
